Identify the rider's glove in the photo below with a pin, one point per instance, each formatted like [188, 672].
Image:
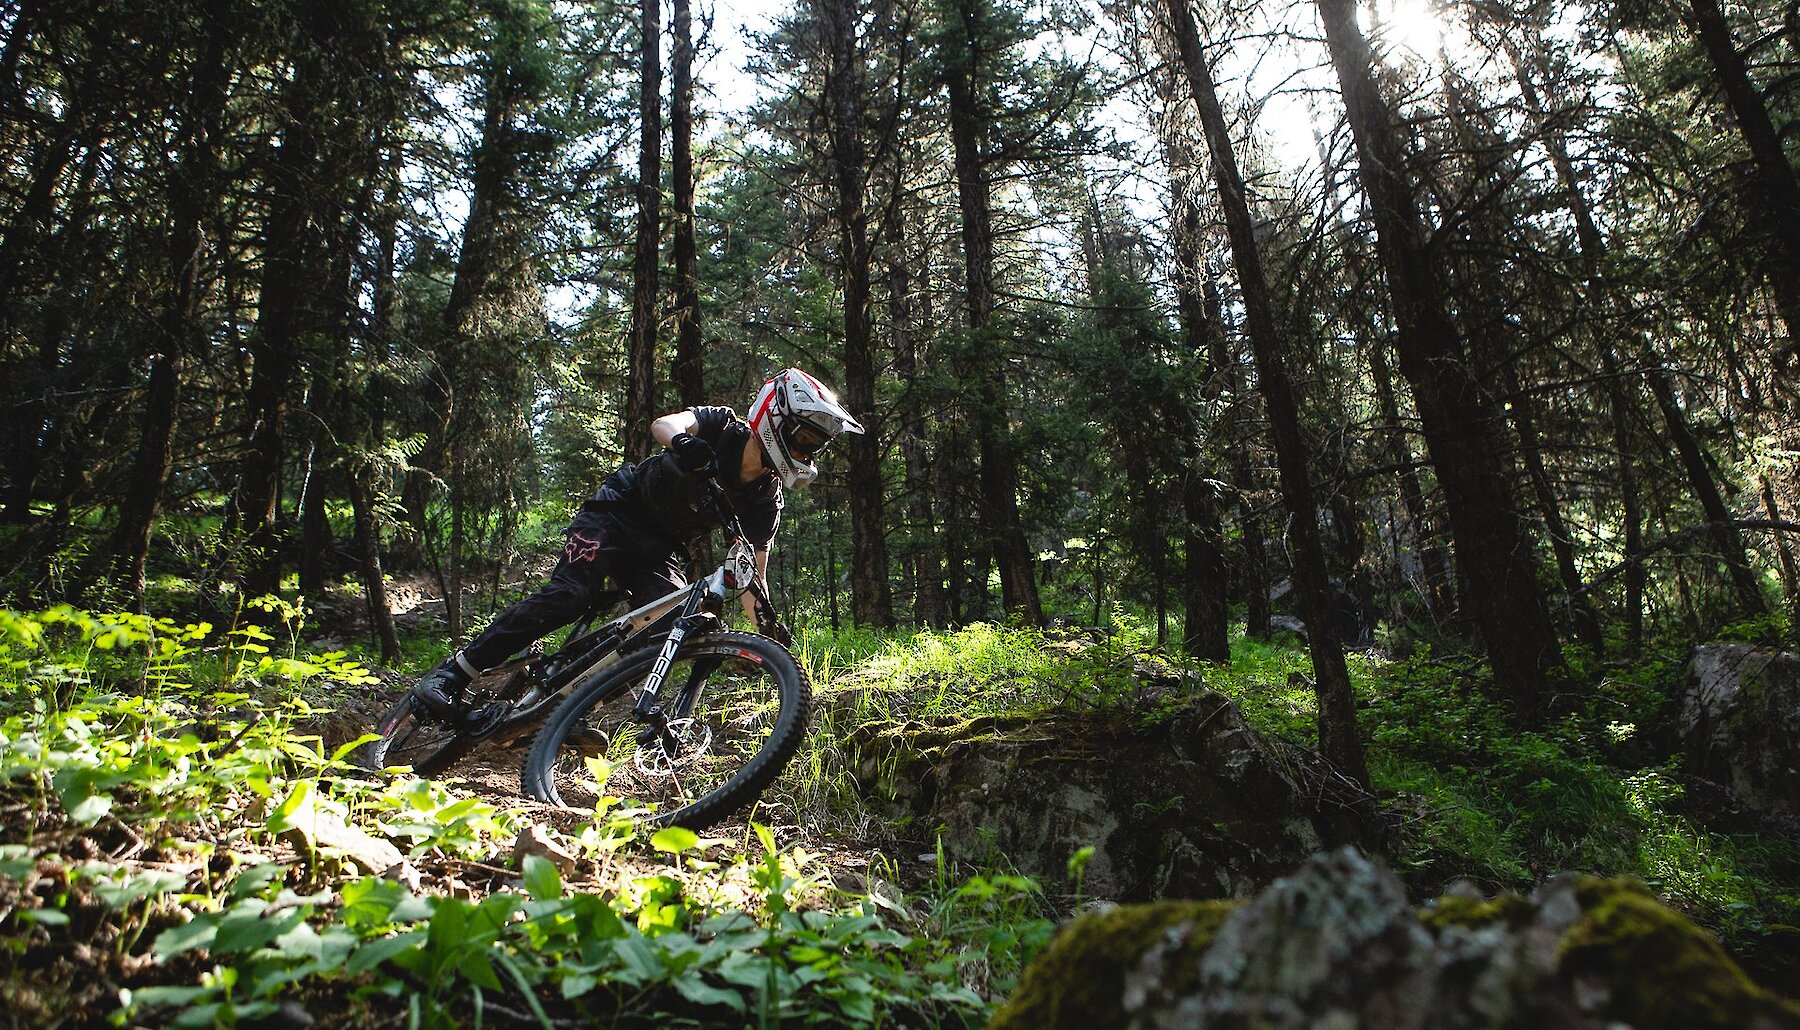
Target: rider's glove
[693, 454]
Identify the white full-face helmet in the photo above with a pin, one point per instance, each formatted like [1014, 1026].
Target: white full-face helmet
[794, 417]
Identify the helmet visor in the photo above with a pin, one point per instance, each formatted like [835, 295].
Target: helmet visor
[805, 439]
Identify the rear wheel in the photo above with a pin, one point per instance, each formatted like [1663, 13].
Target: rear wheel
[410, 737]
[738, 707]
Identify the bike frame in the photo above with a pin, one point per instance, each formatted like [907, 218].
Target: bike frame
[590, 654]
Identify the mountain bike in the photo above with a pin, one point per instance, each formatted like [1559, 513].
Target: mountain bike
[662, 706]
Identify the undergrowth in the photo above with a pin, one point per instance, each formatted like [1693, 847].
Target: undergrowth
[152, 777]
[150, 774]
[1475, 796]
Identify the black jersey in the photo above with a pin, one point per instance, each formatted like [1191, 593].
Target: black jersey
[663, 507]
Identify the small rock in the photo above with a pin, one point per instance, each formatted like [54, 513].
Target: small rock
[406, 874]
[313, 829]
[535, 840]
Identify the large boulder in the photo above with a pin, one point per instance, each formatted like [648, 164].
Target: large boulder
[1740, 718]
[1337, 945]
[1181, 798]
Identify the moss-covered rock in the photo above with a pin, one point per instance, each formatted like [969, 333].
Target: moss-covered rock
[1191, 804]
[1083, 977]
[1644, 965]
[1740, 717]
[1337, 945]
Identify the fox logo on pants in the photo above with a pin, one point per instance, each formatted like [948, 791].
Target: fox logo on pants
[580, 549]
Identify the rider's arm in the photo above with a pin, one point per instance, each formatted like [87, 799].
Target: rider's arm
[674, 423]
[762, 580]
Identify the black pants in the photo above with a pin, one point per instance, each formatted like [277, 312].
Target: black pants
[590, 556]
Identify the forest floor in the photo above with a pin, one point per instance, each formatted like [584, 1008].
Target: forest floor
[131, 852]
[492, 773]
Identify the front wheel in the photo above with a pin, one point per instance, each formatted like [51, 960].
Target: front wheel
[738, 707]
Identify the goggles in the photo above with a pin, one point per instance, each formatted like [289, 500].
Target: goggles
[805, 439]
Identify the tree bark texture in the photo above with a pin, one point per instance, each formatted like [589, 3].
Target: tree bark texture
[998, 468]
[923, 553]
[1206, 582]
[1494, 552]
[291, 294]
[192, 188]
[871, 601]
[1339, 739]
[641, 376]
[689, 372]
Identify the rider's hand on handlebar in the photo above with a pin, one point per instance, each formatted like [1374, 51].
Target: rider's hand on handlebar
[693, 454]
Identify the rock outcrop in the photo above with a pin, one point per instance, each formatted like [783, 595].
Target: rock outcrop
[1337, 945]
[1740, 718]
[1183, 799]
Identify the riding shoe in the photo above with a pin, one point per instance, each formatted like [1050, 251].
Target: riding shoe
[441, 690]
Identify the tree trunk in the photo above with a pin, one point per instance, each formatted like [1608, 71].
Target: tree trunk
[641, 405]
[315, 527]
[362, 474]
[1205, 575]
[952, 470]
[1205, 586]
[1436, 591]
[1253, 574]
[689, 372]
[1339, 739]
[294, 285]
[368, 553]
[871, 602]
[1777, 198]
[1592, 247]
[274, 350]
[1721, 524]
[1562, 544]
[192, 187]
[925, 556]
[1494, 552]
[998, 472]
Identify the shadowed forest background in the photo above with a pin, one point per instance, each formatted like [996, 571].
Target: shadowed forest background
[1458, 336]
[294, 294]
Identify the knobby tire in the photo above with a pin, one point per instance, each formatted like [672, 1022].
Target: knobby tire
[752, 712]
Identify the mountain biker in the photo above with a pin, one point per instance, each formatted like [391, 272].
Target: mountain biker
[636, 525]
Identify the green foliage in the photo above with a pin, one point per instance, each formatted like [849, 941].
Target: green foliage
[181, 742]
[158, 770]
[985, 668]
[1480, 797]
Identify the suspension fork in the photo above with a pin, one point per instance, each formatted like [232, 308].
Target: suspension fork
[648, 707]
